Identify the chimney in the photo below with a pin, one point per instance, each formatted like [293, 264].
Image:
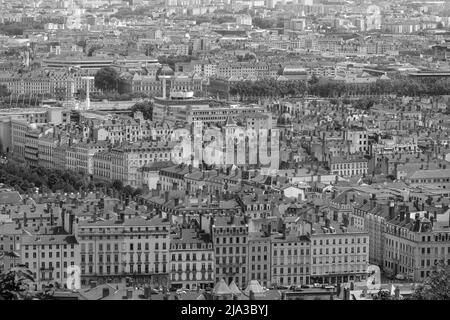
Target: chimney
[373, 200]
[391, 210]
[402, 215]
[217, 195]
[166, 196]
[417, 222]
[158, 188]
[71, 222]
[105, 292]
[129, 294]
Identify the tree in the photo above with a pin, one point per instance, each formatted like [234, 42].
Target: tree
[118, 185]
[138, 192]
[145, 107]
[436, 286]
[264, 23]
[14, 284]
[106, 79]
[383, 295]
[4, 91]
[247, 57]
[128, 190]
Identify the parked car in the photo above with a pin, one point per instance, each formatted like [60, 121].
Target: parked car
[297, 288]
[280, 287]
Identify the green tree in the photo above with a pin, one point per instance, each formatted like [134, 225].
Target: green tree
[106, 79]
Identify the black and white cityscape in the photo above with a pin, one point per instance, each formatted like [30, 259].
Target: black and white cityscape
[225, 150]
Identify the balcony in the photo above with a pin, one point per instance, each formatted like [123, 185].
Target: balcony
[47, 269]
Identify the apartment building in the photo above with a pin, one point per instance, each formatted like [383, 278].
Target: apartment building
[348, 167]
[358, 140]
[32, 137]
[206, 69]
[247, 70]
[259, 258]
[374, 220]
[45, 153]
[230, 240]
[49, 256]
[10, 242]
[415, 243]
[128, 158]
[339, 253]
[80, 156]
[19, 128]
[172, 178]
[291, 260]
[191, 260]
[439, 178]
[116, 248]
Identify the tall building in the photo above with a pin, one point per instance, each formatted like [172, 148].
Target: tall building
[191, 260]
[230, 239]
